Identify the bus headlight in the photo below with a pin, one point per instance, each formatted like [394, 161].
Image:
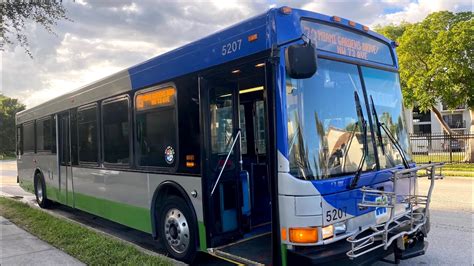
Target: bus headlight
[327, 231]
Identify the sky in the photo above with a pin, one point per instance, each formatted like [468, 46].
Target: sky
[106, 36]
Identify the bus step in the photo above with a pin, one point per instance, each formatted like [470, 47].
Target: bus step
[255, 250]
[231, 257]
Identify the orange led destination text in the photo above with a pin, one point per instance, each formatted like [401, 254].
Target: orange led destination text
[161, 97]
[345, 45]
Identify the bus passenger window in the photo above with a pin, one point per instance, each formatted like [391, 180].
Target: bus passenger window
[87, 134]
[44, 135]
[116, 131]
[243, 128]
[260, 127]
[29, 137]
[156, 128]
[19, 139]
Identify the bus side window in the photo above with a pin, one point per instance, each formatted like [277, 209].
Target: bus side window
[260, 127]
[29, 137]
[53, 135]
[116, 126]
[88, 134]
[156, 128]
[44, 134]
[19, 140]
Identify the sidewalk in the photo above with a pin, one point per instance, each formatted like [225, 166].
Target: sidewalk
[18, 247]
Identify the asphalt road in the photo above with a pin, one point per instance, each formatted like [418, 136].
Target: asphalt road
[450, 240]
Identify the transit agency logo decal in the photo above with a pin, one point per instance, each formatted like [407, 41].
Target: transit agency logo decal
[169, 155]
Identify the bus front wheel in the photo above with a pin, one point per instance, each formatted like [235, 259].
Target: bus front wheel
[40, 192]
[177, 229]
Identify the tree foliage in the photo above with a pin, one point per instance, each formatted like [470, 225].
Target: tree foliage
[8, 108]
[16, 15]
[435, 58]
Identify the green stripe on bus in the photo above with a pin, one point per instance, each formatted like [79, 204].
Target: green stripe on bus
[202, 236]
[283, 255]
[131, 216]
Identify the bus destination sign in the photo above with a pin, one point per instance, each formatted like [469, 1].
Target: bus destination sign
[348, 43]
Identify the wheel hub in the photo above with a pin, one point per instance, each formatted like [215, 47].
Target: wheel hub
[176, 230]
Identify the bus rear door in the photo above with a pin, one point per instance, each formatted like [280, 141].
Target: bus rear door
[65, 169]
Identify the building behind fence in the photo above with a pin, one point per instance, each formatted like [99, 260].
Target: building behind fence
[441, 147]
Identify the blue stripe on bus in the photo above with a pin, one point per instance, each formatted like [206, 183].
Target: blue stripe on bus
[271, 28]
[335, 190]
[203, 53]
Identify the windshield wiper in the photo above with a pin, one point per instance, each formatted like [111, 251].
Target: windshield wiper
[360, 116]
[377, 122]
[390, 136]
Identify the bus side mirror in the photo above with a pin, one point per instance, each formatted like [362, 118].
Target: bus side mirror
[300, 60]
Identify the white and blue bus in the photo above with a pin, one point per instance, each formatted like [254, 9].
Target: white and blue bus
[278, 140]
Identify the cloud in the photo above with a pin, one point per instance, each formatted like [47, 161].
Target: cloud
[106, 36]
[417, 11]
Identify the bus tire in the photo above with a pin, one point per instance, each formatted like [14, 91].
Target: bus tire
[40, 192]
[177, 229]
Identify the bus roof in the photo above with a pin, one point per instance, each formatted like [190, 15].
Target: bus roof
[250, 36]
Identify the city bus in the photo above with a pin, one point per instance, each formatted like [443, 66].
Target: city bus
[278, 140]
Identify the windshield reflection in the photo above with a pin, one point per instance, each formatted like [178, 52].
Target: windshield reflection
[384, 87]
[323, 138]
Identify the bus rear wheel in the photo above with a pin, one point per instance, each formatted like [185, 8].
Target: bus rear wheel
[177, 229]
[40, 192]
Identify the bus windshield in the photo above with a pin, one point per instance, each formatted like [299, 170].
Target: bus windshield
[323, 133]
[384, 88]
[324, 137]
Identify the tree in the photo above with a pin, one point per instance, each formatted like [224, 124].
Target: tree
[436, 61]
[392, 31]
[435, 58]
[8, 108]
[15, 14]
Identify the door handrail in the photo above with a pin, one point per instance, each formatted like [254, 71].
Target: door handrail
[237, 136]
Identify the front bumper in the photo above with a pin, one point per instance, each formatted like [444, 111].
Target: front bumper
[335, 254]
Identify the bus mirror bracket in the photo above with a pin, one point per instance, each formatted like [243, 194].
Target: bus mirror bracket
[300, 60]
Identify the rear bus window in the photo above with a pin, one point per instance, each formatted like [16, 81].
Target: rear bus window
[87, 134]
[156, 128]
[116, 128]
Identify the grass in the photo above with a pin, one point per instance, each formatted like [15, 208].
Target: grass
[455, 169]
[445, 157]
[88, 246]
[7, 157]
[461, 169]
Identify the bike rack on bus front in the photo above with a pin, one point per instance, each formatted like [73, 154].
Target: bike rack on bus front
[412, 217]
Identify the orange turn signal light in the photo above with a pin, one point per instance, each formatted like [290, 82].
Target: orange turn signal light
[336, 19]
[284, 235]
[352, 23]
[303, 235]
[252, 37]
[285, 10]
[365, 28]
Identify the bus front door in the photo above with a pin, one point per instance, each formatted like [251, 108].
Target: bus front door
[222, 162]
[65, 170]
